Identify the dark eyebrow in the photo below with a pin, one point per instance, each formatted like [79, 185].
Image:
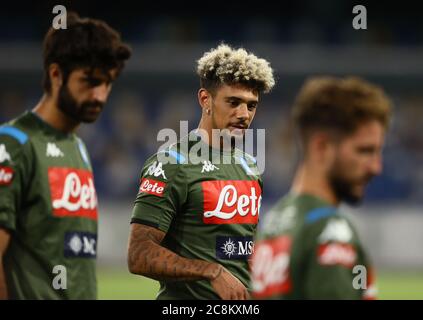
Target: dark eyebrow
[105, 76]
[95, 78]
[240, 99]
[368, 148]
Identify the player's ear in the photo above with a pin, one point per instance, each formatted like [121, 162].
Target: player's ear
[204, 99]
[320, 145]
[56, 76]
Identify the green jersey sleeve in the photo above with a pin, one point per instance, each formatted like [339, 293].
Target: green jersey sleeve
[14, 173]
[161, 195]
[331, 253]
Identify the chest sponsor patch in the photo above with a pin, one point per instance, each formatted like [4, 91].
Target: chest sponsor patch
[80, 245]
[239, 248]
[72, 192]
[335, 253]
[154, 187]
[6, 175]
[231, 201]
[270, 267]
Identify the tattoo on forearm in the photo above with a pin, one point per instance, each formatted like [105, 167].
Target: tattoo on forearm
[146, 256]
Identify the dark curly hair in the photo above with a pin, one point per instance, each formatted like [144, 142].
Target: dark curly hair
[86, 43]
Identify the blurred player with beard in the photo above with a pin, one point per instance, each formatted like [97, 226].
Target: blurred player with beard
[193, 222]
[48, 207]
[308, 248]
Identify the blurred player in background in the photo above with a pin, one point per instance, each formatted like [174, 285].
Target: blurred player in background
[48, 207]
[308, 248]
[193, 223]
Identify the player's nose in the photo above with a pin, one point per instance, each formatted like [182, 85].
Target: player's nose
[242, 112]
[376, 166]
[100, 92]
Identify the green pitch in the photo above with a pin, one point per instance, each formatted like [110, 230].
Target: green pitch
[116, 284]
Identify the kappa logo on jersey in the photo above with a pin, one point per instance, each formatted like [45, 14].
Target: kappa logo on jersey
[72, 192]
[336, 253]
[208, 166]
[231, 201]
[156, 170]
[6, 175]
[153, 187]
[336, 230]
[234, 247]
[80, 244]
[4, 155]
[53, 150]
[270, 267]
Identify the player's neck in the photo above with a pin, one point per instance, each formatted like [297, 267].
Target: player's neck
[49, 112]
[312, 181]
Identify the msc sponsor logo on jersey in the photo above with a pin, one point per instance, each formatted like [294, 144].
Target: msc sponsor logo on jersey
[234, 247]
[153, 187]
[270, 267]
[72, 192]
[231, 201]
[208, 166]
[53, 150]
[4, 155]
[6, 175]
[80, 244]
[156, 170]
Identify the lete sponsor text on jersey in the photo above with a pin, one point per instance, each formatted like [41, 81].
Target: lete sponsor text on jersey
[270, 267]
[151, 186]
[72, 192]
[6, 175]
[231, 201]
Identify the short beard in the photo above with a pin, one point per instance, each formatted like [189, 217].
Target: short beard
[343, 187]
[70, 107]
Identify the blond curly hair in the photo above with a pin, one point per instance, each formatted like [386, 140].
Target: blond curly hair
[226, 65]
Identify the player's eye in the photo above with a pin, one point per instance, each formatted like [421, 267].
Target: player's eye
[368, 150]
[234, 103]
[94, 82]
[252, 106]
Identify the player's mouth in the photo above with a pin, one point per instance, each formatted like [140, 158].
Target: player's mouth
[238, 126]
[94, 108]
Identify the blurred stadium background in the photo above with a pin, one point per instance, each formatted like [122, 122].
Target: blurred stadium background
[158, 88]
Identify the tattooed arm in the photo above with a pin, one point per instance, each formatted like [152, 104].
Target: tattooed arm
[4, 242]
[148, 258]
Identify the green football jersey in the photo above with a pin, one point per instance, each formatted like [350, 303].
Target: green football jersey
[208, 207]
[307, 249]
[49, 205]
